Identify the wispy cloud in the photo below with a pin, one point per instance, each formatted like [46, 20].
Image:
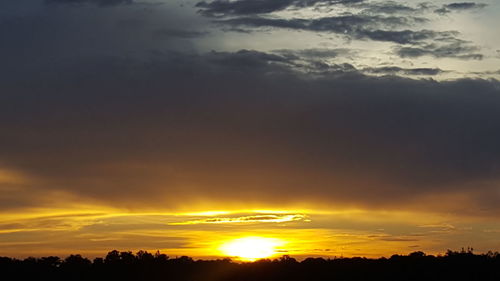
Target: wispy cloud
[439, 228]
[463, 6]
[217, 8]
[272, 218]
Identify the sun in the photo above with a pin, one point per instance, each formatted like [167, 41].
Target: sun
[251, 248]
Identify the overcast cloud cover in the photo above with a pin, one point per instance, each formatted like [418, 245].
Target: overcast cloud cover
[383, 104]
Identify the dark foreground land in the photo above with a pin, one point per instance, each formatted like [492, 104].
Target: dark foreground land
[463, 265]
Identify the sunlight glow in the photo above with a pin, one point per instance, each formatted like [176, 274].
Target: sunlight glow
[251, 248]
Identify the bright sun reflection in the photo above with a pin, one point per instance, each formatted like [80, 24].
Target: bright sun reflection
[251, 248]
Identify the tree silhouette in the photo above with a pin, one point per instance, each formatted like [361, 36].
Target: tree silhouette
[123, 266]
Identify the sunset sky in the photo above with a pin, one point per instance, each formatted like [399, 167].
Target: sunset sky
[321, 127]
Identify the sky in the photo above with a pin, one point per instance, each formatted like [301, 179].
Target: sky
[329, 127]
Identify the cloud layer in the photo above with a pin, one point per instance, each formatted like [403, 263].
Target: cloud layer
[377, 21]
[246, 126]
[126, 107]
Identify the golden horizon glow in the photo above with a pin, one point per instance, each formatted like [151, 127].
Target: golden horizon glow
[251, 248]
[93, 230]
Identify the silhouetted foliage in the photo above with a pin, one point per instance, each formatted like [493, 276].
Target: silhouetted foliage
[454, 265]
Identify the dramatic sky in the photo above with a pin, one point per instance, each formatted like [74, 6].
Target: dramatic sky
[336, 127]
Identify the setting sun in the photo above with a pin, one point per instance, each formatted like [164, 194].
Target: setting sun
[251, 248]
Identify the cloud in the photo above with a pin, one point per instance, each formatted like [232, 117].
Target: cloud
[316, 60]
[252, 7]
[383, 21]
[459, 50]
[315, 53]
[274, 218]
[463, 6]
[353, 26]
[437, 43]
[102, 111]
[365, 27]
[387, 7]
[443, 228]
[401, 37]
[338, 24]
[394, 70]
[490, 72]
[247, 127]
[245, 59]
[282, 61]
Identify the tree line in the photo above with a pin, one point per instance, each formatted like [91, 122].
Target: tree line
[454, 265]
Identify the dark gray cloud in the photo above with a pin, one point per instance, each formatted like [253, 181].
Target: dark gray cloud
[378, 21]
[242, 7]
[283, 61]
[394, 70]
[249, 59]
[253, 7]
[339, 24]
[463, 6]
[488, 73]
[458, 49]
[401, 37]
[422, 42]
[316, 53]
[388, 7]
[354, 26]
[185, 126]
